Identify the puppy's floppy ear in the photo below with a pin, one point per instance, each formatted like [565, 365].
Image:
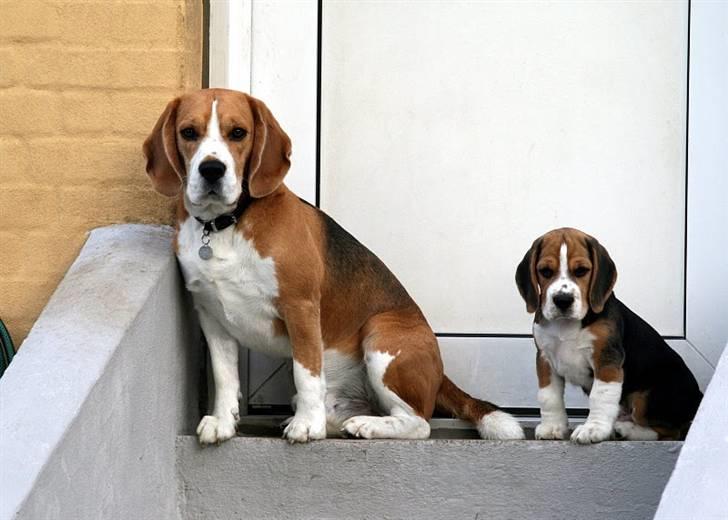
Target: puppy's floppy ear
[270, 158]
[526, 278]
[164, 166]
[603, 277]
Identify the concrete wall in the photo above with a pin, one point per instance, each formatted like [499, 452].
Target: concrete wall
[697, 488]
[81, 85]
[91, 405]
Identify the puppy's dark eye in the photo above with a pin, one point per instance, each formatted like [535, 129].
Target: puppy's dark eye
[581, 271]
[188, 134]
[238, 134]
[546, 272]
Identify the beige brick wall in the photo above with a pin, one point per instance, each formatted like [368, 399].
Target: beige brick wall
[81, 84]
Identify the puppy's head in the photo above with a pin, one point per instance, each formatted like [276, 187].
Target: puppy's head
[214, 144]
[564, 274]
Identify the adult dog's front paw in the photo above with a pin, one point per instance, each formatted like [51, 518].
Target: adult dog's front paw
[551, 431]
[305, 428]
[591, 432]
[213, 430]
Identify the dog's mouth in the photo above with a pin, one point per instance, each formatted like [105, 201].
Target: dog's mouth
[211, 196]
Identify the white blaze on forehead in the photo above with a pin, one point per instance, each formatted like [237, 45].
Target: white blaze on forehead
[213, 126]
[213, 145]
[563, 263]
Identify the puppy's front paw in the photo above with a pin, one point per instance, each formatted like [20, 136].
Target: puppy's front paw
[213, 430]
[551, 431]
[591, 432]
[304, 429]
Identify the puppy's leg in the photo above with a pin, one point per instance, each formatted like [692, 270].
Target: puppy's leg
[405, 371]
[636, 426]
[220, 426]
[604, 400]
[303, 323]
[554, 423]
[634, 432]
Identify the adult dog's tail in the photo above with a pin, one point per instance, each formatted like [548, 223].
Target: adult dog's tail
[491, 422]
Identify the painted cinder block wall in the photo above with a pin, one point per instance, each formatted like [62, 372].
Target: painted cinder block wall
[81, 85]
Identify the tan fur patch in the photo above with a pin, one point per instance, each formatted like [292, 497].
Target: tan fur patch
[543, 370]
[607, 368]
[609, 374]
[637, 402]
[450, 397]
[415, 374]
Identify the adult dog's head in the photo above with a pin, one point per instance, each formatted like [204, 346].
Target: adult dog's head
[564, 274]
[217, 145]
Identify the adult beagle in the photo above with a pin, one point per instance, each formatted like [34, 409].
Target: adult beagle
[275, 274]
[637, 385]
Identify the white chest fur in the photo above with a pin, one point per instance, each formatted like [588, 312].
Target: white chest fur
[568, 347]
[236, 286]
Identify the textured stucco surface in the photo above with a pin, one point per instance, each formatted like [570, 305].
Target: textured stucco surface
[91, 405]
[81, 85]
[260, 478]
[699, 486]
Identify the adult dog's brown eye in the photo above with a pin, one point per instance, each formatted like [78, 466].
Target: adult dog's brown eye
[581, 271]
[188, 134]
[238, 134]
[546, 272]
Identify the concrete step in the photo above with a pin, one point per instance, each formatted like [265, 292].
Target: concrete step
[452, 475]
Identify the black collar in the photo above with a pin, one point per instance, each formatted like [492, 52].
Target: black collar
[226, 220]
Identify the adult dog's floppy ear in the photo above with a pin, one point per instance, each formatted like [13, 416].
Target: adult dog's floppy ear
[164, 166]
[526, 278]
[603, 278]
[270, 158]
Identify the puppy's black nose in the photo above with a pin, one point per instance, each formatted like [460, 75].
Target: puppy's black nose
[212, 170]
[563, 301]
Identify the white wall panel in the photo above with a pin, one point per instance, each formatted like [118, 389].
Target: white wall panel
[284, 56]
[707, 276]
[454, 133]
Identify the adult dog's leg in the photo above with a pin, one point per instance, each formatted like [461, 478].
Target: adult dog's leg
[405, 371]
[220, 426]
[303, 323]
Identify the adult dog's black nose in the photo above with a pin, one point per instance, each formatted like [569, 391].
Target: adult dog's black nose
[563, 300]
[212, 170]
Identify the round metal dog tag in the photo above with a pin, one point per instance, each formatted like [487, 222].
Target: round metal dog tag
[205, 252]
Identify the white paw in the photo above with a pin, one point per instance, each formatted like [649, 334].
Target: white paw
[212, 430]
[591, 432]
[630, 431]
[365, 426]
[304, 429]
[623, 428]
[552, 431]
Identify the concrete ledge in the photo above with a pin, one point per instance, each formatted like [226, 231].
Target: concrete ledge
[267, 478]
[105, 380]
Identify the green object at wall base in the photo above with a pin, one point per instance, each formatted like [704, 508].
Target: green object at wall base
[7, 350]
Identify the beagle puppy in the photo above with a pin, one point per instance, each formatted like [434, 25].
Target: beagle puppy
[272, 273]
[638, 386]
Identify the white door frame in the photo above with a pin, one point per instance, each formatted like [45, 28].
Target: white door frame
[254, 43]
